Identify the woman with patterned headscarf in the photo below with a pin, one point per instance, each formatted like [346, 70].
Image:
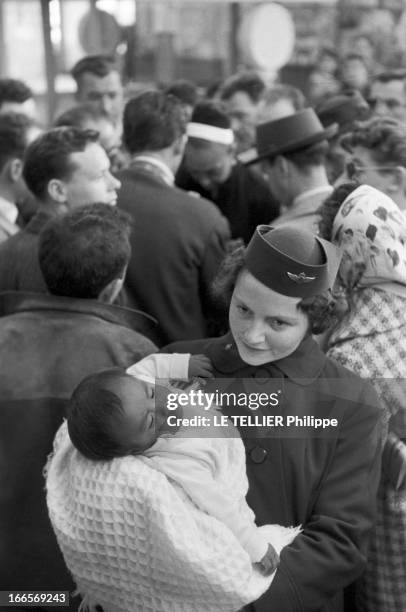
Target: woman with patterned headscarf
[371, 341]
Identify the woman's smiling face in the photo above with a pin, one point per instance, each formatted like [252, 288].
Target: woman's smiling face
[266, 325]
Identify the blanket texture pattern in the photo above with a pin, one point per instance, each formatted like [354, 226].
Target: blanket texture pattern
[133, 540]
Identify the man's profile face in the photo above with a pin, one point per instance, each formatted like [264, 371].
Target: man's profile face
[102, 93]
[210, 165]
[389, 99]
[243, 114]
[91, 180]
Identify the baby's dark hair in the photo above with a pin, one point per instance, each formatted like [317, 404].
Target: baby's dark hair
[92, 412]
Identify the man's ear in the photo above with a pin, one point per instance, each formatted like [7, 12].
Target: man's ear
[179, 145]
[109, 294]
[111, 291]
[283, 165]
[57, 190]
[15, 169]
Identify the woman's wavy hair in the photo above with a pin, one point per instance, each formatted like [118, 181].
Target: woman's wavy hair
[329, 209]
[323, 310]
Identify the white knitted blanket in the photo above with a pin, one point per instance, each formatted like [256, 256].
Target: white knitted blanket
[134, 541]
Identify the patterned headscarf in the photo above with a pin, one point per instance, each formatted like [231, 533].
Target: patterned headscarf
[371, 231]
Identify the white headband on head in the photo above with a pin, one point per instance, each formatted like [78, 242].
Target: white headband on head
[212, 133]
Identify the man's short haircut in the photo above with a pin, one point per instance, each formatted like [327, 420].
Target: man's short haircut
[92, 412]
[99, 65]
[212, 113]
[13, 136]
[48, 156]
[13, 90]
[248, 82]
[78, 115]
[383, 136]
[185, 91]
[285, 92]
[390, 75]
[152, 121]
[81, 252]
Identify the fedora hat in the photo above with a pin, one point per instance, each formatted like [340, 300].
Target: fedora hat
[288, 134]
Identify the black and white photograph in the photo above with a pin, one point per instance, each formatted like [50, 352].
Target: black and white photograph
[203, 305]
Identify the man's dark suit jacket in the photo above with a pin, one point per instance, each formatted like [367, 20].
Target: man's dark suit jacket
[177, 244]
[19, 266]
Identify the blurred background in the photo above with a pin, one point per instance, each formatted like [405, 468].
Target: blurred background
[158, 41]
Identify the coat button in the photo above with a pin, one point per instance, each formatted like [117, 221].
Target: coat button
[261, 373]
[258, 454]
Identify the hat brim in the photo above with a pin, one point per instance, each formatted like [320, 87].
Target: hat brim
[251, 155]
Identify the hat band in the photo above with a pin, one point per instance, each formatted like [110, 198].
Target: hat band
[212, 133]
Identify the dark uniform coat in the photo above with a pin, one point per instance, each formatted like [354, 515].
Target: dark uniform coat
[328, 484]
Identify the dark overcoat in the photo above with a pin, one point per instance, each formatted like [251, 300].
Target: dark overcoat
[324, 480]
[177, 244]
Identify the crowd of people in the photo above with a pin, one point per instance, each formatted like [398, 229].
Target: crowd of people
[255, 237]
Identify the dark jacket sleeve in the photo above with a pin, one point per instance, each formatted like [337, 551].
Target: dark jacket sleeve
[331, 551]
[214, 251]
[264, 207]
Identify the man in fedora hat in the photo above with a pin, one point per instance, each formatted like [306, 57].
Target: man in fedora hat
[292, 151]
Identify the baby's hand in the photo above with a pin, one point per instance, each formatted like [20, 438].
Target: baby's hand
[200, 365]
[269, 561]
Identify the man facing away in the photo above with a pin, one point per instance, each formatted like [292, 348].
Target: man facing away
[180, 239]
[48, 343]
[64, 168]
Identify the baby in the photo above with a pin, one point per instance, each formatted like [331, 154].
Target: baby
[114, 414]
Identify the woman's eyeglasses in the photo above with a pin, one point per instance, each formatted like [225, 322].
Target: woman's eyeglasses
[354, 172]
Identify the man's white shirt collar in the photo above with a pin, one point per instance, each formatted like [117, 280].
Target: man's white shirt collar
[8, 210]
[325, 189]
[167, 173]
